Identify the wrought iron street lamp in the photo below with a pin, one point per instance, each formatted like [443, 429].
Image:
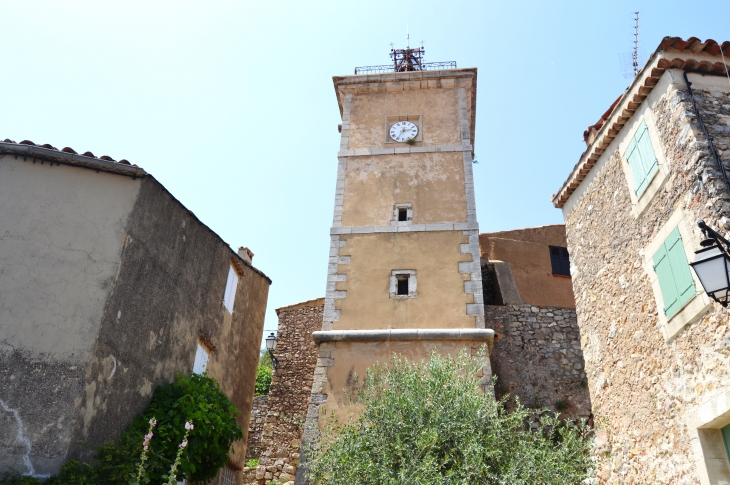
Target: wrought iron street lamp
[271, 346]
[712, 265]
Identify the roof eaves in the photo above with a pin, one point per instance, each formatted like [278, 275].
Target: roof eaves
[67, 158]
[629, 103]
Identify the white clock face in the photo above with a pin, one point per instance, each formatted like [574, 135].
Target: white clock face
[403, 131]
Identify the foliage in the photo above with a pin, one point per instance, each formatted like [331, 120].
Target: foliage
[431, 423]
[196, 398]
[263, 374]
[199, 399]
[252, 463]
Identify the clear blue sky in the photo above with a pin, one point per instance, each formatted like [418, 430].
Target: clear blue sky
[230, 104]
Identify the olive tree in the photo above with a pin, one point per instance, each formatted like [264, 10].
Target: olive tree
[431, 423]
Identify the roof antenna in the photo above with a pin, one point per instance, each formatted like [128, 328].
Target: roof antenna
[631, 62]
[408, 38]
[635, 55]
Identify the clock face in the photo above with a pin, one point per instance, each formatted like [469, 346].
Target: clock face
[403, 131]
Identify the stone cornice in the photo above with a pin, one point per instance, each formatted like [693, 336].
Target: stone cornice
[407, 334]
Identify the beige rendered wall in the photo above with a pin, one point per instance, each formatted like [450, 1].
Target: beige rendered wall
[61, 239]
[353, 358]
[527, 252]
[432, 182]
[435, 257]
[438, 108]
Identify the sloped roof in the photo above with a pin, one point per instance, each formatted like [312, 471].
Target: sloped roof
[69, 156]
[672, 53]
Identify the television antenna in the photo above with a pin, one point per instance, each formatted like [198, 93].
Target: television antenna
[631, 61]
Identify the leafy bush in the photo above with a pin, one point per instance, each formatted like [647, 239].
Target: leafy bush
[197, 398]
[431, 423]
[263, 374]
[252, 463]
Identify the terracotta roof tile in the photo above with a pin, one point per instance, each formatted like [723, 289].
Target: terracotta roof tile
[86, 159]
[599, 136]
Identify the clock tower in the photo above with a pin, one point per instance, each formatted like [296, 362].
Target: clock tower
[404, 274]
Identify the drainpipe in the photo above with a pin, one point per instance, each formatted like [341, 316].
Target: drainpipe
[704, 129]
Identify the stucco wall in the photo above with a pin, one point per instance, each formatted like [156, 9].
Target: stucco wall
[435, 257]
[350, 360]
[649, 392]
[528, 254]
[433, 183]
[438, 108]
[169, 288]
[61, 235]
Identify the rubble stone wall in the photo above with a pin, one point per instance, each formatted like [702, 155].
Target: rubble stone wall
[275, 432]
[538, 359]
[644, 388]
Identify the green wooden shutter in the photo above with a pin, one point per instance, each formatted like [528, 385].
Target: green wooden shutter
[666, 280]
[633, 156]
[726, 439]
[648, 157]
[675, 278]
[680, 269]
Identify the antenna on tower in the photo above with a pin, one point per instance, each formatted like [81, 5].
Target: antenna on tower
[408, 38]
[631, 62]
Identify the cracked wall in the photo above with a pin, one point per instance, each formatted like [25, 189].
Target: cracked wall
[61, 232]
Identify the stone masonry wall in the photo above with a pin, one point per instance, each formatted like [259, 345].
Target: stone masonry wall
[538, 358]
[275, 433]
[643, 388]
[256, 426]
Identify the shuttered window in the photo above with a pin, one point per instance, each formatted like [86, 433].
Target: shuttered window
[231, 285]
[673, 273]
[201, 360]
[560, 260]
[642, 159]
[726, 439]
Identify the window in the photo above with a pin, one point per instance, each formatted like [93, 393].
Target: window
[231, 285]
[402, 214]
[560, 260]
[673, 273]
[641, 159]
[402, 284]
[726, 439]
[227, 477]
[201, 360]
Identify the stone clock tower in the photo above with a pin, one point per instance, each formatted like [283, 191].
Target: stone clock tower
[404, 274]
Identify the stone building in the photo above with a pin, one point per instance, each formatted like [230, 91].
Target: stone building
[109, 287]
[656, 348]
[529, 303]
[277, 419]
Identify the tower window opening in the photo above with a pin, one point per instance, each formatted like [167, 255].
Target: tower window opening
[402, 285]
[402, 214]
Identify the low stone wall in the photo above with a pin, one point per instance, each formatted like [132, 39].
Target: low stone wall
[537, 357]
[275, 432]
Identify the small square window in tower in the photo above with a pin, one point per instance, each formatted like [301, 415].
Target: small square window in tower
[403, 284]
[402, 288]
[402, 214]
[560, 260]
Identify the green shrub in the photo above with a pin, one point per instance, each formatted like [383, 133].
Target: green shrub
[263, 380]
[198, 399]
[252, 463]
[431, 423]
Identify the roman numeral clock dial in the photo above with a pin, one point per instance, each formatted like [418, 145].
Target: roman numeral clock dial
[403, 131]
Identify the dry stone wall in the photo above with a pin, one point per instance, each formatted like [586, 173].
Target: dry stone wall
[275, 432]
[538, 359]
[643, 388]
